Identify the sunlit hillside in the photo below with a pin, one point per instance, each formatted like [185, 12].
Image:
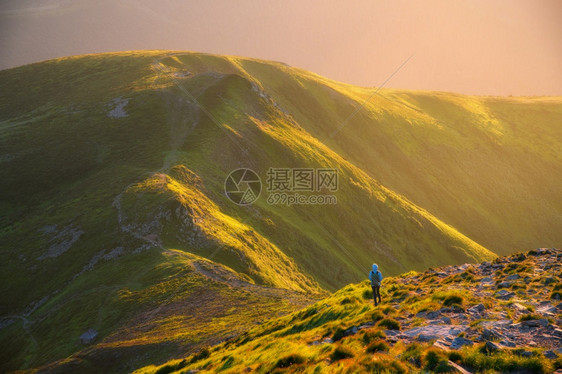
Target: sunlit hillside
[489, 166]
[114, 215]
[494, 317]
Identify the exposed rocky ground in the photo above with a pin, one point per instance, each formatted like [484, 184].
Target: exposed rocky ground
[518, 307]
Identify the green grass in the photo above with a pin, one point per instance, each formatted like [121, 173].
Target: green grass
[292, 359]
[529, 317]
[267, 347]
[504, 362]
[434, 359]
[449, 298]
[389, 324]
[426, 126]
[341, 352]
[377, 346]
[402, 199]
[413, 354]
[556, 291]
[369, 336]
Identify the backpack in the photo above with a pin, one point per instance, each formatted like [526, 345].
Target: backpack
[376, 279]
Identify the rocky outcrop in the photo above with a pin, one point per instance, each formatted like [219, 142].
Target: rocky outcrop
[517, 309]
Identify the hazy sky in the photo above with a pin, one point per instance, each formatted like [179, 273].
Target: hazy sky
[489, 47]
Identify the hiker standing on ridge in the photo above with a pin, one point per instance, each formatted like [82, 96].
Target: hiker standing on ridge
[375, 276]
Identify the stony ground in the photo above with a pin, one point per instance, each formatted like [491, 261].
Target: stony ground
[517, 309]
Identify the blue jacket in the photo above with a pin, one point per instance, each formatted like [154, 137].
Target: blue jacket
[375, 272]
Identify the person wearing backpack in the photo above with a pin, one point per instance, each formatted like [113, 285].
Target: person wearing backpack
[375, 276]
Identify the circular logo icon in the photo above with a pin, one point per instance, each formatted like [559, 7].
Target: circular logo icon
[242, 186]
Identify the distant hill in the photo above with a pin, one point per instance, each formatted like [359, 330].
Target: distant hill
[114, 215]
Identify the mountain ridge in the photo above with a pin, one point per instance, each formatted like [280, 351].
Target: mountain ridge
[111, 163]
[501, 316]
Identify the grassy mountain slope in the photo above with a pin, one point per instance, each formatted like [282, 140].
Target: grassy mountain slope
[499, 317]
[112, 178]
[489, 166]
